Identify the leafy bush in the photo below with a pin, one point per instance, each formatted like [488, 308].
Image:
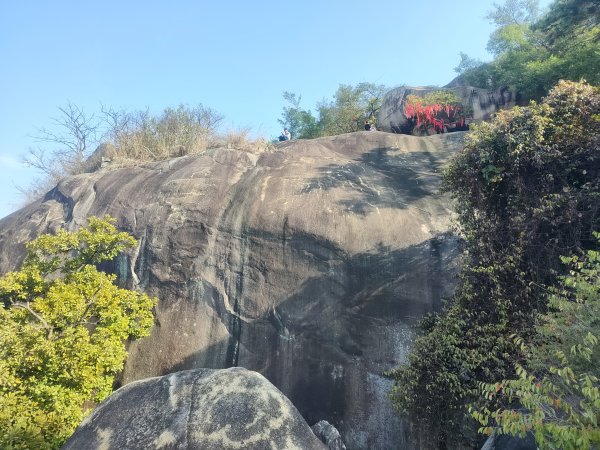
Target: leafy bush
[63, 326]
[558, 399]
[527, 190]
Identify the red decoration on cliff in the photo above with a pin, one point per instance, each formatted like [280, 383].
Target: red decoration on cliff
[435, 112]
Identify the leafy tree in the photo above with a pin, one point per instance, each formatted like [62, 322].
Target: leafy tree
[515, 12]
[348, 111]
[300, 123]
[63, 327]
[558, 399]
[533, 53]
[350, 108]
[526, 189]
[569, 18]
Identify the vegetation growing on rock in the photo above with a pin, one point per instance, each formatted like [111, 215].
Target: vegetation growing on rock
[527, 190]
[558, 398]
[63, 326]
[348, 111]
[133, 137]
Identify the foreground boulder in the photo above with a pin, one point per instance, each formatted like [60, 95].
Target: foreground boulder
[482, 103]
[197, 409]
[309, 263]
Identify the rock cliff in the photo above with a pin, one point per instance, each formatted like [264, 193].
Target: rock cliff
[481, 102]
[308, 263]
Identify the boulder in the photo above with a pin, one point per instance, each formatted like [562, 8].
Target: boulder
[483, 103]
[505, 442]
[329, 435]
[197, 409]
[100, 158]
[309, 263]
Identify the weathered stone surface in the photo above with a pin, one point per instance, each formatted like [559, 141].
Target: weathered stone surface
[504, 442]
[309, 263]
[197, 409]
[103, 154]
[329, 435]
[483, 102]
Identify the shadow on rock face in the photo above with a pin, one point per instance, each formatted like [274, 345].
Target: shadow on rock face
[327, 345]
[381, 179]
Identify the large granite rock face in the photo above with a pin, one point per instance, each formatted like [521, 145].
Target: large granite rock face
[309, 263]
[196, 410]
[483, 103]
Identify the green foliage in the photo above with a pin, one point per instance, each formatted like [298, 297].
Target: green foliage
[569, 18]
[514, 12]
[350, 108]
[63, 327]
[300, 123]
[348, 111]
[533, 53]
[527, 190]
[559, 400]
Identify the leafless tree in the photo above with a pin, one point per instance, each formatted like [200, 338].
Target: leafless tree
[65, 146]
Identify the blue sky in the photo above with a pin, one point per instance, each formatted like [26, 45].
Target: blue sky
[236, 57]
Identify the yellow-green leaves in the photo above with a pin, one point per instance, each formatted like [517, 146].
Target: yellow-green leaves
[63, 327]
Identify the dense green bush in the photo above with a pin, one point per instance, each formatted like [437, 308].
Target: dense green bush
[527, 190]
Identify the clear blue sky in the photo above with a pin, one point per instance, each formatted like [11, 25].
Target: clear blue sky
[234, 56]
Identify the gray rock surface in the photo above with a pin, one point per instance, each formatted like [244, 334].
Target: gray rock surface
[309, 263]
[100, 158]
[483, 103]
[504, 442]
[198, 409]
[329, 435]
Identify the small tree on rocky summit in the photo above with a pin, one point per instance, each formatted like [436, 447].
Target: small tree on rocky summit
[63, 326]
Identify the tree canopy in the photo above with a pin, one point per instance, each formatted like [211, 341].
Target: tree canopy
[63, 327]
[348, 111]
[533, 52]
